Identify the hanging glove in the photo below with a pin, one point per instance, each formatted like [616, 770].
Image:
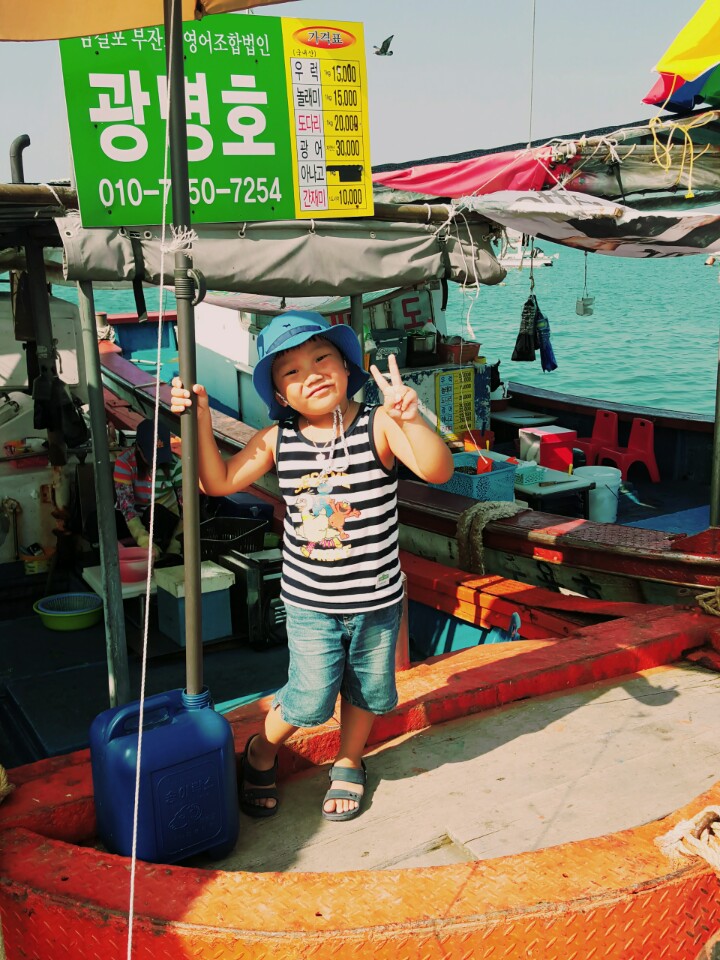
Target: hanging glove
[138, 532]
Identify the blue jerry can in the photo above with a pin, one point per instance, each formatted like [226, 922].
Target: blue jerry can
[188, 801]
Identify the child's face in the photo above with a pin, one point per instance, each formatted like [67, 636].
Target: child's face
[312, 377]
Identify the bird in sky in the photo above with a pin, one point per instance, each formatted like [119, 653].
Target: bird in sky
[384, 49]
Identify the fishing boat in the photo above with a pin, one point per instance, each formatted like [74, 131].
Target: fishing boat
[517, 252]
[657, 550]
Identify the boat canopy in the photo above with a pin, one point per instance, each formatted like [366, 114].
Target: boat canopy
[651, 164]
[294, 258]
[600, 226]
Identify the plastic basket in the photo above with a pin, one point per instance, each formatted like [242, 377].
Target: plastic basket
[498, 484]
[69, 611]
[221, 534]
[528, 472]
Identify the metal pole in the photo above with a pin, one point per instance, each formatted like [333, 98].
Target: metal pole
[42, 329]
[356, 321]
[715, 475]
[115, 643]
[184, 294]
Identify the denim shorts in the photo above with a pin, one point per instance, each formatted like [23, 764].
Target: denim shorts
[352, 654]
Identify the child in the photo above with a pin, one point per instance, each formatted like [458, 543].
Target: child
[132, 477]
[341, 580]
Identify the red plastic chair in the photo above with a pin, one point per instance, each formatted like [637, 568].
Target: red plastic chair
[640, 449]
[604, 434]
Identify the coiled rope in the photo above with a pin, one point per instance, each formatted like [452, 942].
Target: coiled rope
[697, 837]
[6, 788]
[710, 602]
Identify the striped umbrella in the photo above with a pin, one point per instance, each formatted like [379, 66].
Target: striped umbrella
[690, 67]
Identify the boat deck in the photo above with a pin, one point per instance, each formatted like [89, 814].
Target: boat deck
[45, 674]
[602, 758]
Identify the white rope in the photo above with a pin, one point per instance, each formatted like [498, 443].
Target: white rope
[338, 429]
[697, 837]
[182, 240]
[532, 76]
[54, 193]
[151, 531]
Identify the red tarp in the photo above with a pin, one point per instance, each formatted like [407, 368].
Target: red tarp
[510, 170]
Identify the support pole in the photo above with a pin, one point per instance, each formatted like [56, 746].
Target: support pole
[184, 294]
[356, 322]
[115, 643]
[42, 328]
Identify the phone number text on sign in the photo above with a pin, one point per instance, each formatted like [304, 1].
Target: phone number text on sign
[131, 193]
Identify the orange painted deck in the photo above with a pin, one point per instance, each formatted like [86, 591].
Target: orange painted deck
[615, 896]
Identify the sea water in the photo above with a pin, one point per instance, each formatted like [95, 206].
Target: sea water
[652, 338]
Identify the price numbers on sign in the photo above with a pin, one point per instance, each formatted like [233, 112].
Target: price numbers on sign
[455, 402]
[330, 114]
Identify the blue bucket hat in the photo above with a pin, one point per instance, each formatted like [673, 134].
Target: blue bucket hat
[289, 330]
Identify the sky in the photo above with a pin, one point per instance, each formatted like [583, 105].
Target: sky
[459, 79]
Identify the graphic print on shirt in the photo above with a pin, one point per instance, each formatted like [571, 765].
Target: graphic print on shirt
[322, 516]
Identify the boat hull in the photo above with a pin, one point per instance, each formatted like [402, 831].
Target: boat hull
[62, 897]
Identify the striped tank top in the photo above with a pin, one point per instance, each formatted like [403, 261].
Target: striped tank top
[340, 539]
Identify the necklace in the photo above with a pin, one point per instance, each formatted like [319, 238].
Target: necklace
[338, 431]
[321, 456]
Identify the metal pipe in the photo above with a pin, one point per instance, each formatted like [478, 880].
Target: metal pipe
[115, 643]
[17, 174]
[42, 330]
[184, 294]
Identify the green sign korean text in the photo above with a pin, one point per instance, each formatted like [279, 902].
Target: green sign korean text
[267, 131]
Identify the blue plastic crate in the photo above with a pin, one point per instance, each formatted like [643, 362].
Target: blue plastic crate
[498, 484]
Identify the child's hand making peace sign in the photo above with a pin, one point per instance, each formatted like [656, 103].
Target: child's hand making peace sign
[399, 401]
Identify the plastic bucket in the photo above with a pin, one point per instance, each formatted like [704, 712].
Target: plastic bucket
[603, 500]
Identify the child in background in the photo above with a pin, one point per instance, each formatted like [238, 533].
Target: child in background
[341, 579]
[132, 476]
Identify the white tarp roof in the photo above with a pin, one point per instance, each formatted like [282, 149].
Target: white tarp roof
[600, 226]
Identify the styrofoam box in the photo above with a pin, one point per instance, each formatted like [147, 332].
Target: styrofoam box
[532, 437]
[215, 585]
[213, 577]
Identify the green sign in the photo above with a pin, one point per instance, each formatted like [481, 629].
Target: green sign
[276, 120]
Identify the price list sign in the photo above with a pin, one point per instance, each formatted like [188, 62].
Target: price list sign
[455, 402]
[327, 89]
[277, 121]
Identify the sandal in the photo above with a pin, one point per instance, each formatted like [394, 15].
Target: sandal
[261, 786]
[349, 775]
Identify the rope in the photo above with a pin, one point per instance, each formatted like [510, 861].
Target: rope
[6, 788]
[662, 152]
[471, 524]
[54, 193]
[532, 75]
[151, 531]
[710, 602]
[697, 837]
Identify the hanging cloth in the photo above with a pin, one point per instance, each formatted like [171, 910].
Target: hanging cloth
[542, 338]
[525, 343]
